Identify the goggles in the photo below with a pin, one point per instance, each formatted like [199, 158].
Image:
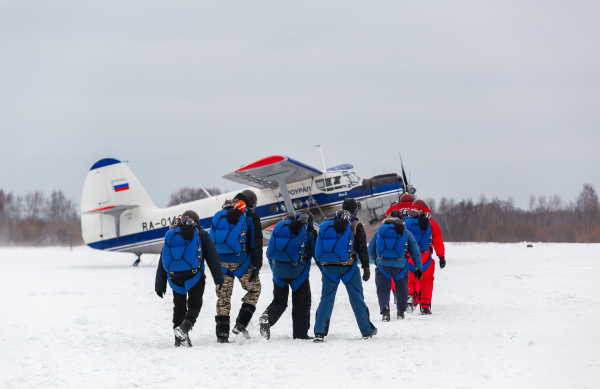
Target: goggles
[417, 213]
[188, 221]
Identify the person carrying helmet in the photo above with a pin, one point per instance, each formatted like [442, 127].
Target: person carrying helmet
[428, 235]
[237, 234]
[291, 248]
[389, 248]
[341, 240]
[187, 247]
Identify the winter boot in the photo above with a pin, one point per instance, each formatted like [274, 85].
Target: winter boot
[265, 326]
[409, 303]
[222, 329]
[385, 316]
[243, 319]
[425, 311]
[399, 315]
[240, 329]
[177, 341]
[319, 338]
[181, 333]
[372, 333]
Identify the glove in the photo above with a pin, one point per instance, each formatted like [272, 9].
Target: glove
[160, 294]
[442, 262]
[418, 274]
[366, 274]
[254, 274]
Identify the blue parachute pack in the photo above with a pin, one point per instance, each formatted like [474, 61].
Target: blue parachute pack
[421, 230]
[288, 244]
[182, 254]
[228, 232]
[392, 243]
[288, 241]
[335, 243]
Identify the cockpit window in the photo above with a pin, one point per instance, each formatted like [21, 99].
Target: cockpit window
[331, 183]
[338, 181]
[352, 179]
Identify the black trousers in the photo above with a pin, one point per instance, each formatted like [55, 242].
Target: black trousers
[187, 306]
[384, 285]
[301, 300]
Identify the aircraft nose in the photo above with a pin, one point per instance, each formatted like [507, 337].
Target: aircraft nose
[384, 183]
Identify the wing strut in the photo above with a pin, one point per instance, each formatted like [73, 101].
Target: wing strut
[287, 199]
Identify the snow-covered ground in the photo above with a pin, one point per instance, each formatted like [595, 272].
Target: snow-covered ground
[503, 316]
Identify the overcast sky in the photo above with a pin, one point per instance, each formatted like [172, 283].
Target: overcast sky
[500, 98]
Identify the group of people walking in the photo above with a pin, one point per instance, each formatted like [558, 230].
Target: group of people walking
[401, 249]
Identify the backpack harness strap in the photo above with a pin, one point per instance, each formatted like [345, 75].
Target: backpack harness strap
[188, 284]
[302, 259]
[398, 276]
[425, 265]
[240, 271]
[345, 278]
[297, 282]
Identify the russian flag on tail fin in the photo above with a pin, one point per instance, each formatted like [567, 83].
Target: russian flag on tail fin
[120, 185]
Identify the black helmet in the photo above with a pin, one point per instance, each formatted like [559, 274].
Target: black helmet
[249, 197]
[351, 206]
[192, 215]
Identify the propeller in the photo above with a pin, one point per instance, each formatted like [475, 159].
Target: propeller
[408, 188]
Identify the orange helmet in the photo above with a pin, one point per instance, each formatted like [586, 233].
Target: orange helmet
[240, 206]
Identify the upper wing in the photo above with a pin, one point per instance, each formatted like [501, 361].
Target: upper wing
[269, 172]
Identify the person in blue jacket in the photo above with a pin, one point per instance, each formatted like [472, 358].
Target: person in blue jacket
[291, 270]
[392, 263]
[335, 268]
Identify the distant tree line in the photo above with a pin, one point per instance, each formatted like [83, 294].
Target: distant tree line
[546, 220]
[37, 220]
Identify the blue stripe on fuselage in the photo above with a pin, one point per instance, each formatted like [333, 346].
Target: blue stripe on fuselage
[322, 199]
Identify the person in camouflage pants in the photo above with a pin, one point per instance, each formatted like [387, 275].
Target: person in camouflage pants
[252, 256]
[224, 293]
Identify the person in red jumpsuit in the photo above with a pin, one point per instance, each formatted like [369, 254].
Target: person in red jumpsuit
[422, 290]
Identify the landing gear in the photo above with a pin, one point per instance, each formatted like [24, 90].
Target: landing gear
[137, 261]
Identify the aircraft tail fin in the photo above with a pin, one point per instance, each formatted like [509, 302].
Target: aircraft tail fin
[110, 189]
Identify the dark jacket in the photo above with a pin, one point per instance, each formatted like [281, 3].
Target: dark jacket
[257, 245]
[361, 246]
[211, 258]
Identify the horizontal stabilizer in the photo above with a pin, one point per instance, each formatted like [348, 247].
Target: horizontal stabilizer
[112, 209]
